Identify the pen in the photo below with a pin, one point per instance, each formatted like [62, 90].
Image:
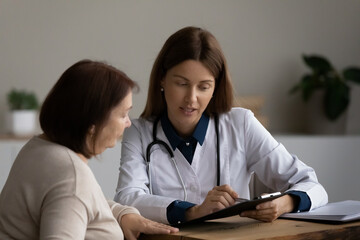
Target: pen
[268, 195]
[241, 199]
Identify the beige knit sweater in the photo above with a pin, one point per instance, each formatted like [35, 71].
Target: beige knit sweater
[52, 194]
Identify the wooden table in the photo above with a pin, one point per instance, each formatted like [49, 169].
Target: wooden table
[248, 229]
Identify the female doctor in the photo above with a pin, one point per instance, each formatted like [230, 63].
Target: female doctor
[191, 153]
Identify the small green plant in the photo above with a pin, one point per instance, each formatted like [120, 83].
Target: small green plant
[324, 76]
[22, 100]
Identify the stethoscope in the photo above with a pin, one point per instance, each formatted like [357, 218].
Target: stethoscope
[171, 153]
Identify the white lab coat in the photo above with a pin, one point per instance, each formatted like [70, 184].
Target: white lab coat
[245, 147]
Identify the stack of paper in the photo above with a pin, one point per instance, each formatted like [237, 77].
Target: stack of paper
[335, 212]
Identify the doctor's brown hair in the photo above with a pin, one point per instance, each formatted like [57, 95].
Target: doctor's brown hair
[190, 43]
[83, 97]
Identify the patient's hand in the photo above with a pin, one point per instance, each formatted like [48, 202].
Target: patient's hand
[133, 224]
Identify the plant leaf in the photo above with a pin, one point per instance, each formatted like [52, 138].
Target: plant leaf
[308, 84]
[19, 100]
[352, 74]
[337, 98]
[307, 87]
[318, 64]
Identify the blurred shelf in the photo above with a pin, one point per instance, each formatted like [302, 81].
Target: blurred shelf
[11, 137]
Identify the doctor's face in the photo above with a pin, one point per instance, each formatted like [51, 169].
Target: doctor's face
[188, 89]
[115, 125]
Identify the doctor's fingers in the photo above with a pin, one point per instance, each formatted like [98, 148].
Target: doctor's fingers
[221, 200]
[266, 212]
[222, 196]
[267, 215]
[209, 206]
[228, 189]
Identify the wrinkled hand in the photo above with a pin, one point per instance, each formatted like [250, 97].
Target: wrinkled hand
[271, 210]
[218, 198]
[134, 224]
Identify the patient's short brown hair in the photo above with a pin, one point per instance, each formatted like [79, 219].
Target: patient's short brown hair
[83, 97]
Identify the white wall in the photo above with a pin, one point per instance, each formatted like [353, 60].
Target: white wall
[262, 40]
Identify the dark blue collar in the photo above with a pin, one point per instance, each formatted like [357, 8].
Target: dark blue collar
[175, 139]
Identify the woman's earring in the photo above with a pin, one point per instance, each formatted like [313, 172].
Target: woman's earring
[162, 89]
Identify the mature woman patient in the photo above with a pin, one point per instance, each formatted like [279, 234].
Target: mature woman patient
[51, 192]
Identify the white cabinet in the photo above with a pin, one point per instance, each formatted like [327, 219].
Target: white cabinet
[336, 160]
[8, 151]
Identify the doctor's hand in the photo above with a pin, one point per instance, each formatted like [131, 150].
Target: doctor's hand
[218, 198]
[271, 210]
[133, 224]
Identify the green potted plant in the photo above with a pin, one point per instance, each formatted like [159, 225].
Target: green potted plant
[22, 114]
[331, 87]
[335, 85]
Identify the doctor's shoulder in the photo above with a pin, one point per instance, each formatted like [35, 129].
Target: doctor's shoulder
[241, 120]
[236, 115]
[143, 124]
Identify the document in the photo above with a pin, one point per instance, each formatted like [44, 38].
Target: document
[344, 211]
[242, 205]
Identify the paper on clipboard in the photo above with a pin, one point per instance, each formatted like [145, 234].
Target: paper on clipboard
[234, 209]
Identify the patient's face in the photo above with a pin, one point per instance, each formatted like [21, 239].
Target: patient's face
[115, 125]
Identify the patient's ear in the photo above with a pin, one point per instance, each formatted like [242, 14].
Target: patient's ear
[92, 130]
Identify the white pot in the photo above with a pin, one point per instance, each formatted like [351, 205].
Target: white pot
[22, 122]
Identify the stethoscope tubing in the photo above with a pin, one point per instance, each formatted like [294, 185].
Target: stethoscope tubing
[171, 153]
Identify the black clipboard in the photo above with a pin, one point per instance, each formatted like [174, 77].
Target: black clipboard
[232, 210]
